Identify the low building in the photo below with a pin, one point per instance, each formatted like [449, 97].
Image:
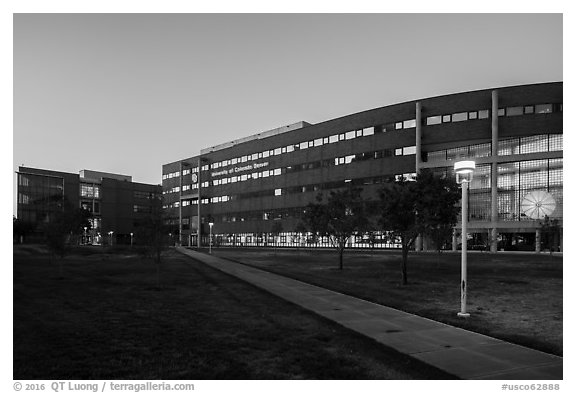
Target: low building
[514, 134]
[118, 205]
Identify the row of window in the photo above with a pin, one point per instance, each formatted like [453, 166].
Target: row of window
[518, 145]
[409, 150]
[185, 172]
[144, 195]
[406, 124]
[293, 147]
[515, 181]
[293, 190]
[377, 154]
[485, 113]
[89, 190]
[345, 136]
[377, 239]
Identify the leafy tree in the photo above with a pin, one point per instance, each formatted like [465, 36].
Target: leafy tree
[276, 229]
[299, 233]
[343, 215]
[412, 208]
[20, 229]
[550, 229]
[61, 230]
[153, 234]
[371, 239]
[437, 207]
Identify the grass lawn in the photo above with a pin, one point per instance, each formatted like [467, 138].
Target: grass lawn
[514, 297]
[105, 319]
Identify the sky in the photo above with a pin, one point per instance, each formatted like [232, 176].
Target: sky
[127, 93]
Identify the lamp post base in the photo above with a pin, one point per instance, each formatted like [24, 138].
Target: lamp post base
[463, 314]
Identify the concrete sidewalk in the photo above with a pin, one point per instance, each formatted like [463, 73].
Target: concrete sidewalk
[462, 353]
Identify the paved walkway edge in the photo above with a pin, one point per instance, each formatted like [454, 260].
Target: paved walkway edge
[459, 352]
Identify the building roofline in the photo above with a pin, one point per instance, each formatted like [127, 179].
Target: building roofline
[284, 129]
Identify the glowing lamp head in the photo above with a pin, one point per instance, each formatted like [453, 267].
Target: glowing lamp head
[464, 171]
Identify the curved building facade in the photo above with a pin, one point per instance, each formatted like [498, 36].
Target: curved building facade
[245, 186]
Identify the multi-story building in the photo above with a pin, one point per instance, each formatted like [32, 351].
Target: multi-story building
[513, 133]
[117, 203]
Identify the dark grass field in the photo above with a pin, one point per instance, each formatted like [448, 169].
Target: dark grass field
[514, 297]
[106, 319]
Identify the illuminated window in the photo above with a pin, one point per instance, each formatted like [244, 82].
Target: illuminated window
[462, 116]
[544, 108]
[432, 120]
[409, 150]
[409, 123]
[368, 131]
[277, 192]
[483, 114]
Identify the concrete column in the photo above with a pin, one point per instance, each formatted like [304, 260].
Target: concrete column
[538, 240]
[198, 229]
[419, 241]
[180, 207]
[494, 177]
[418, 136]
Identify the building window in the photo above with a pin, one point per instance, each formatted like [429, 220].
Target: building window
[529, 109]
[501, 111]
[333, 138]
[462, 116]
[514, 111]
[409, 123]
[432, 120]
[446, 119]
[408, 150]
[398, 152]
[555, 142]
[472, 115]
[398, 126]
[483, 114]
[544, 108]
[277, 192]
[368, 131]
[350, 135]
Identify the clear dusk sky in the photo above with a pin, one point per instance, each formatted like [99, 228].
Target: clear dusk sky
[126, 93]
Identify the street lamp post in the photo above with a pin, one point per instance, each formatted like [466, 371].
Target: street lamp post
[111, 233]
[131, 239]
[211, 224]
[85, 228]
[464, 172]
